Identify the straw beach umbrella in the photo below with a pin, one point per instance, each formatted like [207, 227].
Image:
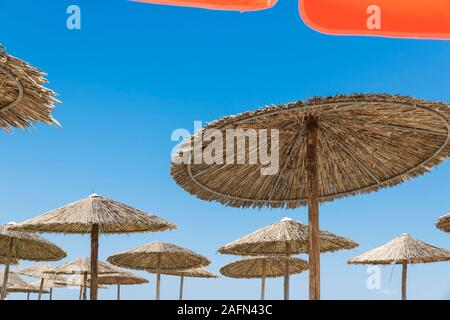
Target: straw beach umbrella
[161, 257]
[43, 273]
[95, 215]
[83, 267]
[120, 279]
[199, 272]
[263, 267]
[23, 97]
[17, 285]
[443, 223]
[403, 250]
[54, 282]
[328, 148]
[287, 237]
[25, 246]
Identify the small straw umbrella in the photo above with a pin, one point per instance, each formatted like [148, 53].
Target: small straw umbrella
[287, 237]
[161, 257]
[83, 267]
[43, 273]
[17, 285]
[443, 223]
[76, 281]
[23, 97]
[328, 148]
[199, 272]
[263, 267]
[54, 282]
[95, 215]
[25, 246]
[402, 250]
[121, 278]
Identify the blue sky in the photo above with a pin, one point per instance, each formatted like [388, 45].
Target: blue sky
[135, 72]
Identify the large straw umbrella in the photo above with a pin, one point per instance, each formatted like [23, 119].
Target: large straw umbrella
[199, 272]
[263, 267]
[43, 272]
[402, 250]
[17, 285]
[287, 237]
[95, 215]
[23, 97]
[328, 148]
[443, 223]
[158, 256]
[83, 267]
[25, 246]
[120, 279]
[50, 284]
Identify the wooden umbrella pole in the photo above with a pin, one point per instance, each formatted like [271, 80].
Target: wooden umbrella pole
[118, 292]
[6, 273]
[84, 285]
[404, 276]
[81, 293]
[181, 287]
[313, 206]
[94, 261]
[263, 281]
[28, 296]
[51, 294]
[158, 279]
[286, 272]
[41, 287]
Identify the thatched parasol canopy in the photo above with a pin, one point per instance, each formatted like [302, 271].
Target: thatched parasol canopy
[121, 278]
[83, 266]
[25, 246]
[95, 215]
[18, 285]
[28, 246]
[402, 250]
[253, 267]
[443, 223]
[159, 256]
[12, 262]
[23, 97]
[287, 236]
[263, 267]
[328, 148]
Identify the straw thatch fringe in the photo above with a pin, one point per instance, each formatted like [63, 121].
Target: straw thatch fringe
[167, 255]
[443, 223]
[256, 267]
[403, 249]
[366, 142]
[23, 97]
[28, 246]
[82, 266]
[17, 284]
[122, 278]
[111, 217]
[199, 272]
[12, 262]
[273, 240]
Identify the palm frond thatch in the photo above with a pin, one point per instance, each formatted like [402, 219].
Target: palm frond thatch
[82, 266]
[17, 284]
[28, 246]
[285, 237]
[365, 142]
[121, 278]
[165, 255]
[199, 272]
[443, 223]
[23, 97]
[111, 217]
[403, 249]
[256, 267]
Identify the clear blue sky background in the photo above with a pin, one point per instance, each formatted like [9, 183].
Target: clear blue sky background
[135, 72]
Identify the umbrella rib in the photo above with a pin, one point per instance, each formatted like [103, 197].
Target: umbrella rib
[350, 153]
[395, 126]
[251, 268]
[286, 163]
[19, 87]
